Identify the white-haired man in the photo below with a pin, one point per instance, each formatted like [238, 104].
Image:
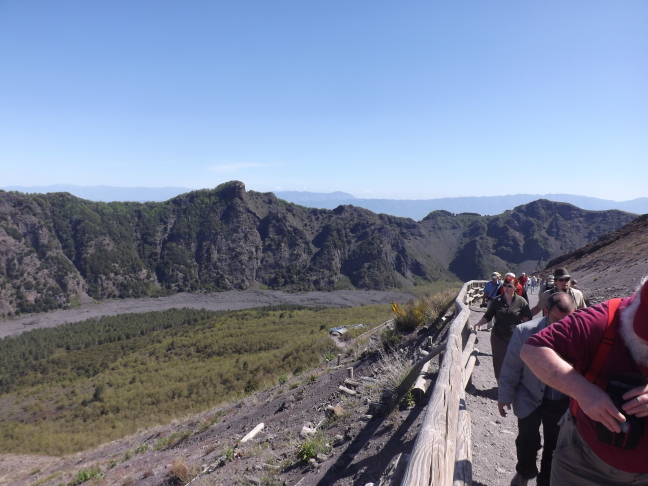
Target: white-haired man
[599, 357]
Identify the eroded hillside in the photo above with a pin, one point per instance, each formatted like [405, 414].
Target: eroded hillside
[55, 248]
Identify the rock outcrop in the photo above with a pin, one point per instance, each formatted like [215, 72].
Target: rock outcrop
[54, 248]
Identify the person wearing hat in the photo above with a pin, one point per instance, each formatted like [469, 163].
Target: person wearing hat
[599, 357]
[491, 289]
[561, 284]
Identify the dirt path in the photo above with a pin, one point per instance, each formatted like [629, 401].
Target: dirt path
[230, 300]
[493, 437]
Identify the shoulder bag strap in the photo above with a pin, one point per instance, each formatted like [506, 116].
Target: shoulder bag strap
[603, 350]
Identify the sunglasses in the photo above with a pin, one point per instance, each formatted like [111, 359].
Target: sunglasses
[563, 279]
[508, 286]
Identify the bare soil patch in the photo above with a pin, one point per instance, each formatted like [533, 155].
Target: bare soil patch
[230, 300]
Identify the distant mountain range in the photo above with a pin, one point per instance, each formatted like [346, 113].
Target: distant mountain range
[416, 209]
[55, 247]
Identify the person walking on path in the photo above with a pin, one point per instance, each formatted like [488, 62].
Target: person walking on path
[599, 357]
[534, 403]
[509, 310]
[491, 289]
[561, 281]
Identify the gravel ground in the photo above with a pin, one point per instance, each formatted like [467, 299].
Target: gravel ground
[230, 300]
[493, 437]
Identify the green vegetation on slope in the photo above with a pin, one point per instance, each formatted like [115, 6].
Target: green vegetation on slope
[73, 387]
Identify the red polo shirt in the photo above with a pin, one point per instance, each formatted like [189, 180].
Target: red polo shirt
[576, 339]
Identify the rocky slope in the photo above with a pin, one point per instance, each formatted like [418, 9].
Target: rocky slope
[613, 265]
[56, 248]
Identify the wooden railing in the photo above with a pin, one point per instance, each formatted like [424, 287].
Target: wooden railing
[442, 451]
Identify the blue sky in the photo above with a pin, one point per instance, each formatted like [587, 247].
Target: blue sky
[407, 100]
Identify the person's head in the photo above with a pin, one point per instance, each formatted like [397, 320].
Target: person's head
[510, 274]
[510, 283]
[634, 324]
[561, 279]
[494, 277]
[559, 306]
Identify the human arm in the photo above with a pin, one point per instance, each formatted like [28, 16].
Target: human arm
[554, 371]
[542, 303]
[488, 315]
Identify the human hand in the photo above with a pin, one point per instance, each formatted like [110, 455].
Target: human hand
[598, 406]
[502, 407]
[637, 401]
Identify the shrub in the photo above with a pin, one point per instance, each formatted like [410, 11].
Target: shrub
[409, 317]
[172, 440]
[86, 475]
[181, 473]
[393, 370]
[318, 444]
[390, 340]
[229, 453]
[408, 400]
[423, 311]
[142, 448]
[251, 385]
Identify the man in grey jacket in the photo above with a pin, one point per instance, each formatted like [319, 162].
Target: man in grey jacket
[534, 403]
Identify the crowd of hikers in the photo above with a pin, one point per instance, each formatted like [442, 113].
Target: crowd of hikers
[580, 373]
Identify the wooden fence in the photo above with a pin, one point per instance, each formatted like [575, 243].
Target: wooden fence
[442, 451]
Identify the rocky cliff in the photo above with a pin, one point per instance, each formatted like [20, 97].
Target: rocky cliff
[56, 247]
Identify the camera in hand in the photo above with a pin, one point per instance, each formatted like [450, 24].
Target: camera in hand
[632, 428]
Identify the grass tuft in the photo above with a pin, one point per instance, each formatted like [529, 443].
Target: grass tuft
[181, 473]
[318, 444]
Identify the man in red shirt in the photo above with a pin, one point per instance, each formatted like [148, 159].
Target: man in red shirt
[561, 355]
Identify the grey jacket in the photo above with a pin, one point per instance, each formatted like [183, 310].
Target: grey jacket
[517, 384]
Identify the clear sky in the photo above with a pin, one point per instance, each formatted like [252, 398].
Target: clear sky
[410, 100]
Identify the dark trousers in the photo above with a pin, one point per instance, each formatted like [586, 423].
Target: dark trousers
[528, 440]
